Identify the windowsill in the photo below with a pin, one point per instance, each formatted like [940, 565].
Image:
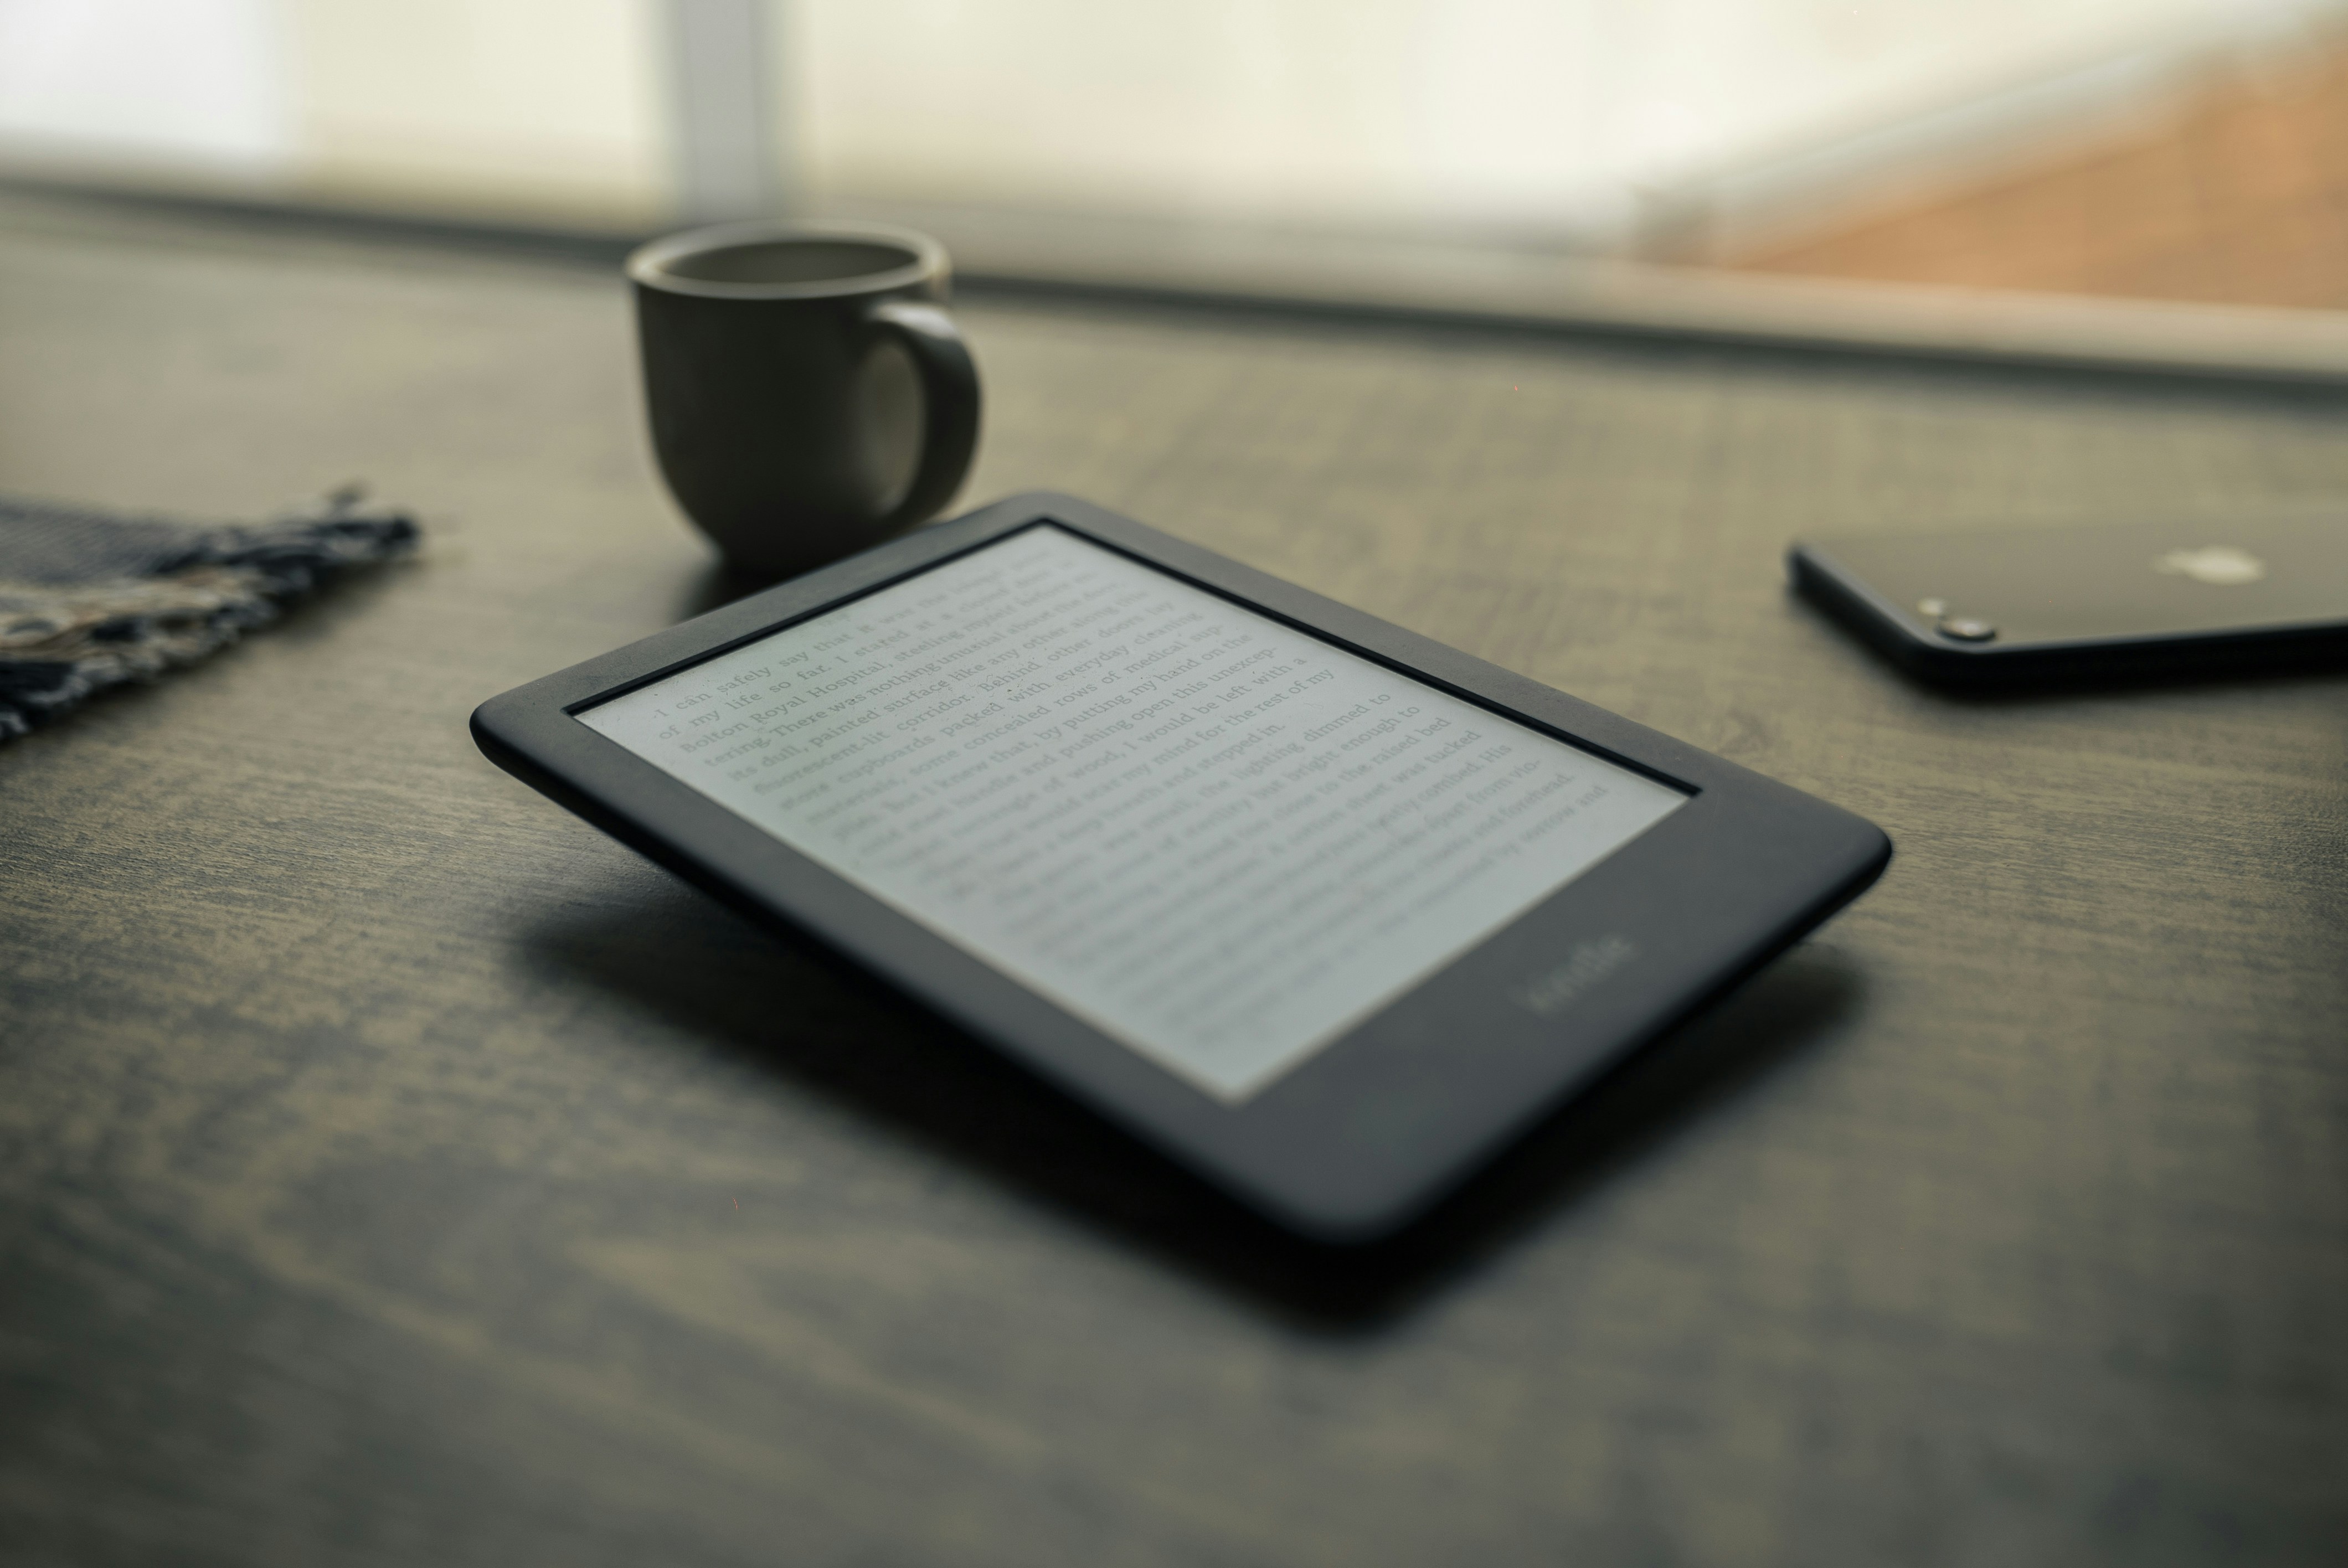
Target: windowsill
[1358, 276]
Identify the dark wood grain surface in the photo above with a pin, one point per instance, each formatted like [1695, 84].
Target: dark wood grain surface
[393, 1170]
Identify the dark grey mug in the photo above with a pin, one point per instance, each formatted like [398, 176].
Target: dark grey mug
[808, 394]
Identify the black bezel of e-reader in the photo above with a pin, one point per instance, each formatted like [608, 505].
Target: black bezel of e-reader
[1362, 1135]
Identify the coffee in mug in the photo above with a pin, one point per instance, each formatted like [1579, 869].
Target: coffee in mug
[808, 394]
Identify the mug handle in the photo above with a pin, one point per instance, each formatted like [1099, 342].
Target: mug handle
[948, 398]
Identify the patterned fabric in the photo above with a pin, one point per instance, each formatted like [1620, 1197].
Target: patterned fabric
[89, 600]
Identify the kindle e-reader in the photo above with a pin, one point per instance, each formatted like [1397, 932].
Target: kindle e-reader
[1326, 910]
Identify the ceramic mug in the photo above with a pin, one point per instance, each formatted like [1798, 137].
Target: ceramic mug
[808, 392]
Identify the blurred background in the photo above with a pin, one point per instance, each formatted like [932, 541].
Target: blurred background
[2186, 149]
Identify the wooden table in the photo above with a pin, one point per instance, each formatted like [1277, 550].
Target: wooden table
[394, 1170]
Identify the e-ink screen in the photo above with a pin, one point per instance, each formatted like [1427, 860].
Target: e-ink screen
[1216, 839]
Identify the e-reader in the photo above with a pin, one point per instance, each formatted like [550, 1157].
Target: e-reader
[1327, 910]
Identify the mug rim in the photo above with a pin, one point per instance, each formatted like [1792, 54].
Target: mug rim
[648, 264]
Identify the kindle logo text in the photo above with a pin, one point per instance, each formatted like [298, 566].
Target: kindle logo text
[1553, 991]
